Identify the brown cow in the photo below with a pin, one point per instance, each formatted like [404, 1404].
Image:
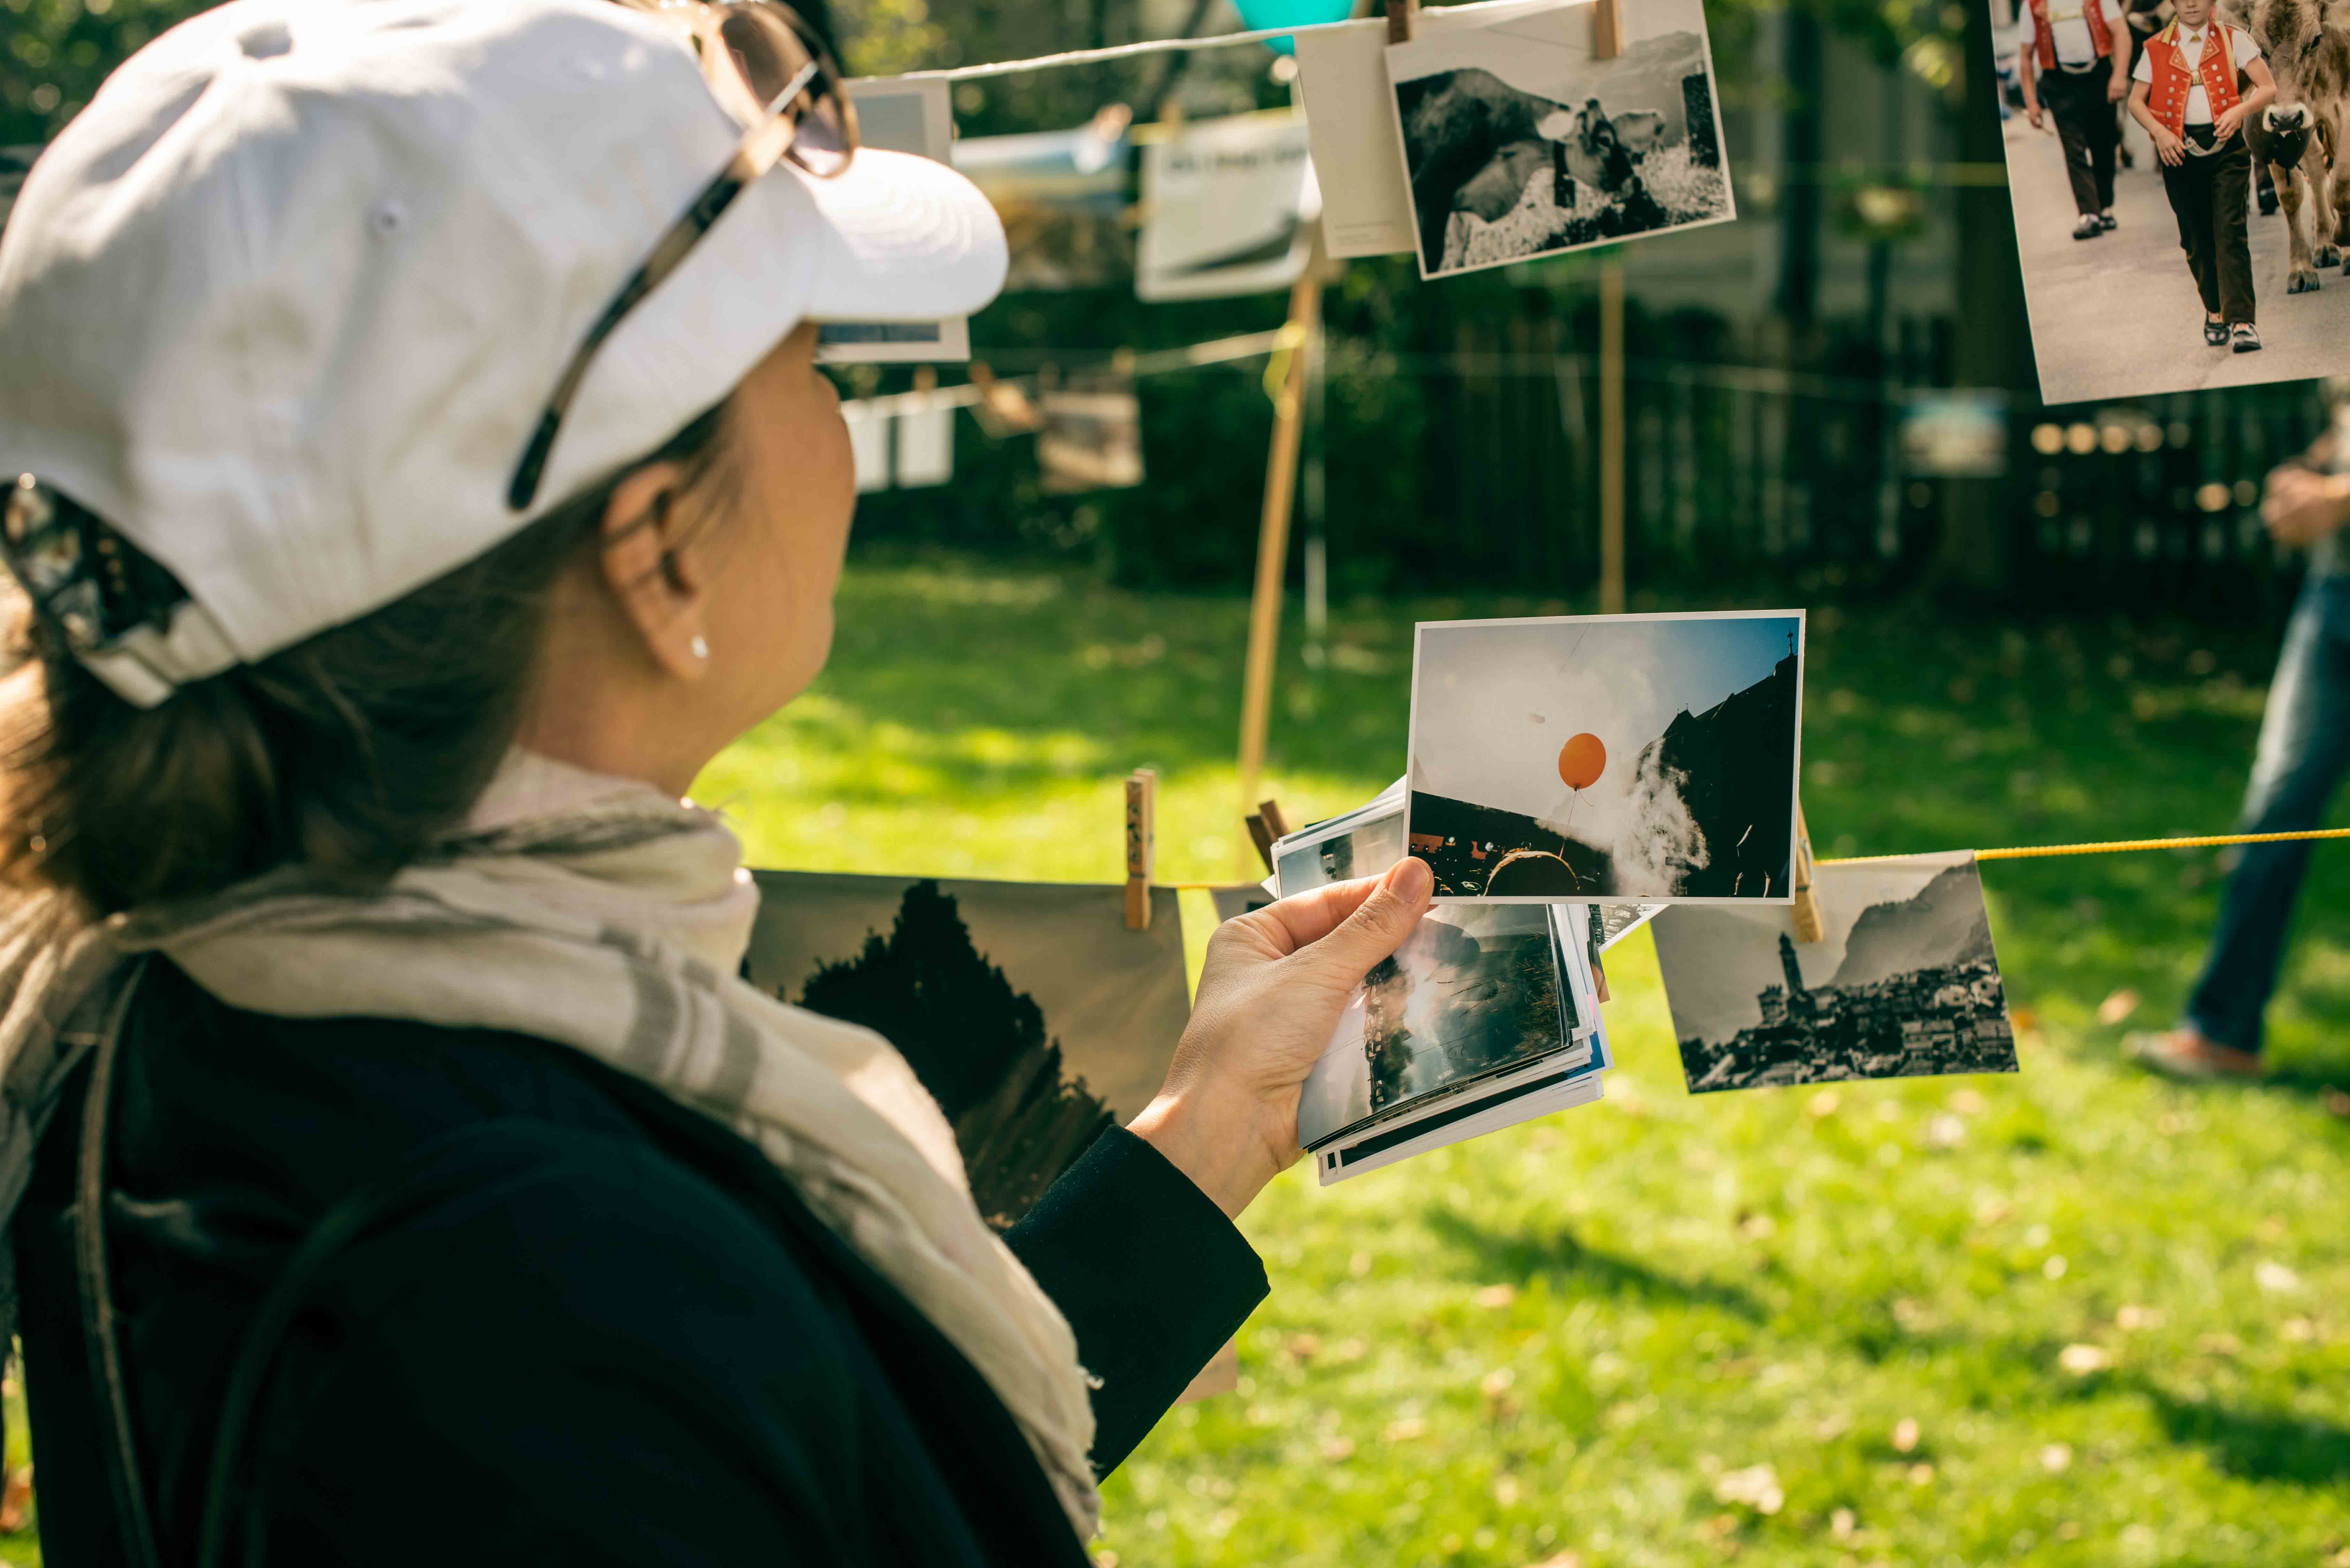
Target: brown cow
[2307, 46]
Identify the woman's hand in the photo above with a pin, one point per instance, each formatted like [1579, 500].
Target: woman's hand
[1270, 995]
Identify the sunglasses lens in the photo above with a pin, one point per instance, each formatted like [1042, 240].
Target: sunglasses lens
[764, 48]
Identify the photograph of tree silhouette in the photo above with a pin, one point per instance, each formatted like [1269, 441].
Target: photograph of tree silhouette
[930, 966]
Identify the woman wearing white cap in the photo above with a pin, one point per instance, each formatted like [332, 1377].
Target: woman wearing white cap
[412, 501]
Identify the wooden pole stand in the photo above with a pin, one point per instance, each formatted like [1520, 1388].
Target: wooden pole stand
[1608, 29]
[1272, 538]
[1399, 19]
[1141, 845]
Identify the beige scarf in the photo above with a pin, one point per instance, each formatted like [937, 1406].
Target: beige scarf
[597, 913]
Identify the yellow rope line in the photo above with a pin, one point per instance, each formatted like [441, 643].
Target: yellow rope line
[2118, 845]
[2021, 852]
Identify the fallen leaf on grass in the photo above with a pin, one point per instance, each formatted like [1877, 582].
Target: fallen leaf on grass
[2080, 1360]
[2117, 1006]
[1757, 1487]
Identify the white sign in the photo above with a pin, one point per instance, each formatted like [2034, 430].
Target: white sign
[1229, 207]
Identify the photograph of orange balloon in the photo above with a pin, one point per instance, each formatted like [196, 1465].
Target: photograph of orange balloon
[1639, 758]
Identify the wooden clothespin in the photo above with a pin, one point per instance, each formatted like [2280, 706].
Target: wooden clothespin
[1274, 823]
[1003, 409]
[1606, 29]
[1809, 928]
[1141, 845]
[1399, 19]
[1260, 835]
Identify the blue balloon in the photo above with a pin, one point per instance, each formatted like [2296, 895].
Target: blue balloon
[1256, 13]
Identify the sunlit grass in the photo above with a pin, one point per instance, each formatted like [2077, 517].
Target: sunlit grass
[1583, 1334]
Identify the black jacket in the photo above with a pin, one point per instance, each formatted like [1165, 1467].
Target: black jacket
[613, 1334]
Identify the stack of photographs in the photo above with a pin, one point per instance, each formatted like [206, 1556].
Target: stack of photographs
[1487, 1016]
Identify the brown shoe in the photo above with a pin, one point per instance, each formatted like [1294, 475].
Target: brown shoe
[2181, 1054]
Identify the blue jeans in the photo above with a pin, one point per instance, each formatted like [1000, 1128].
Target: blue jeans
[2304, 749]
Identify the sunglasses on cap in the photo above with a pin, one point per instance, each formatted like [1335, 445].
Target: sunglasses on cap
[770, 71]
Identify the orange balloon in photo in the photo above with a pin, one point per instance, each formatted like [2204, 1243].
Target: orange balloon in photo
[1580, 761]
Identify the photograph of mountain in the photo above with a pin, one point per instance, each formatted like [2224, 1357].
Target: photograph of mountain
[1519, 142]
[1607, 758]
[1904, 984]
[1029, 1010]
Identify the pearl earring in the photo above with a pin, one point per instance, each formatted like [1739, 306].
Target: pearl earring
[700, 647]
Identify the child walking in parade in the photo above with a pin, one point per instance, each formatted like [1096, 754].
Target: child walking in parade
[2075, 59]
[2196, 84]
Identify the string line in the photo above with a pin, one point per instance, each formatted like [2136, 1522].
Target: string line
[2019, 852]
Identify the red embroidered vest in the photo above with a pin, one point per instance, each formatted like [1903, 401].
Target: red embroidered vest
[2093, 12]
[2173, 81]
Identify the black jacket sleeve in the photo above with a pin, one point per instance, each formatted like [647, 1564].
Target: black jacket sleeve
[1149, 1274]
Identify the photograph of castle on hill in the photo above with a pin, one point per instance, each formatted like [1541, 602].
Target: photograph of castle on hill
[1587, 759]
[1905, 984]
[1029, 1010]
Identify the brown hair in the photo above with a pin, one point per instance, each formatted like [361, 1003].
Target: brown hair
[348, 753]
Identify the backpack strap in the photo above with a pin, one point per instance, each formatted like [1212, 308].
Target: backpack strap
[99, 1341]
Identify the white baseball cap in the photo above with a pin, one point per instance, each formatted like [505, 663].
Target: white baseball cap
[285, 302]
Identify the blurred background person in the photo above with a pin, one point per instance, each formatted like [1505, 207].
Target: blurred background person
[2303, 751]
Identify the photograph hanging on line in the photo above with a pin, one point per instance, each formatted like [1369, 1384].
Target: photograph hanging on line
[1905, 984]
[1634, 758]
[1031, 1012]
[1471, 993]
[1063, 199]
[2125, 255]
[1342, 77]
[1518, 142]
[898, 115]
[1228, 209]
[1092, 438]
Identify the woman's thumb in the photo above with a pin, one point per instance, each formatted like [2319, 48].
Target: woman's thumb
[1381, 922]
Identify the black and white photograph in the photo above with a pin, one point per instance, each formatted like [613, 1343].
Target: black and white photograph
[1092, 438]
[899, 115]
[1228, 208]
[1473, 993]
[1519, 142]
[1030, 1011]
[1904, 984]
[1604, 759]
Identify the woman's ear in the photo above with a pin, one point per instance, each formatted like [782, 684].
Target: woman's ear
[655, 579]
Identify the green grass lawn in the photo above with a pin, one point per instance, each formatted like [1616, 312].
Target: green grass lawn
[1585, 1340]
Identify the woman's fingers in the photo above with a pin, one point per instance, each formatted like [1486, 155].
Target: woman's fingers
[1357, 916]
